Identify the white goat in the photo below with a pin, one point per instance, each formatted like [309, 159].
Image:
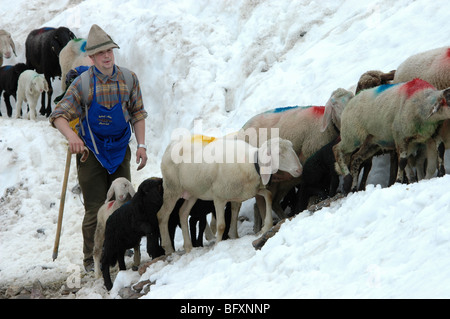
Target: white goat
[122, 190]
[72, 56]
[223, 170]
[6, 45]
[29, 87]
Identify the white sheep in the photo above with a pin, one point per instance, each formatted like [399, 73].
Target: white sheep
[72, 56]
[308, 128]
[390, 117]
[29, 87]
[122, 190]
[223, 170]
[7, 47]
[432, 66]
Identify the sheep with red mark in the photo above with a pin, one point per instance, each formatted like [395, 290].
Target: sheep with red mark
[308, 128]
[122, 191]
[396, 117]
[432, 66]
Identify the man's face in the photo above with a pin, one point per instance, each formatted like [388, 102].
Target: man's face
[104, 60]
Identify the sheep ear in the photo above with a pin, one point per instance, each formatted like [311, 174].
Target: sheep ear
[265, 178]
[326, 118]
[110, 194]
[13, 46]
[132, 191]
[268, 160]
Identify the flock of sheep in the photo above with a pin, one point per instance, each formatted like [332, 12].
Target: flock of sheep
[404, 112]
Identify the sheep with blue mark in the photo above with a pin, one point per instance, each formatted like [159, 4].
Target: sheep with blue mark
[396, 117]
[308, 128]
[72, 56]
[432, 66]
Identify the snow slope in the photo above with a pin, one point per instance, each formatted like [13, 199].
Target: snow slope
[208, 66]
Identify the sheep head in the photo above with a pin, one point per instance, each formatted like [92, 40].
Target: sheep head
[440, 106]
[374, 78]
[38, 84]
[277, 154]
[121, 189]
[334, 107]
[6, 42]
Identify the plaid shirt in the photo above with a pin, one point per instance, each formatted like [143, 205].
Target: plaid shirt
[106, 94]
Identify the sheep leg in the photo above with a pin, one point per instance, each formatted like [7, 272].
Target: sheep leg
[208, 231]
[259, 213]
[365, 152]
[219, 206]
[18, 106]
[268, 220]
[394, 168]
[193, 231]
[136, 257]
[358, 159]
[431, 159]
[367, 166]
[121, 260]
[201, 229]
[163, 216]
[42, 109]
[7, 103]
[184, 214]
[235, 207]
[440, 151]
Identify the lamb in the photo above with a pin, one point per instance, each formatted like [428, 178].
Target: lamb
[223, 170]
[42, 48]
[373, 78]
[72, 56]
[389, 117]
[432, 66]
[319, 177]
[7, 46]
[29, 87]
[122, 190]
[129, 223]
[308, 128]
[9, 76]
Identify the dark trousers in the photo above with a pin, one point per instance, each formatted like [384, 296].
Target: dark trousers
[95, 181]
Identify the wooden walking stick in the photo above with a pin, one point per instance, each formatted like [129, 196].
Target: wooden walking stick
[63, 197]
[61, 204]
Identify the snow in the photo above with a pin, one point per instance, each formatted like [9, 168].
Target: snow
[208, 66]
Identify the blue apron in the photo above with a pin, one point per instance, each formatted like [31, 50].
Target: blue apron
[109, 132]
